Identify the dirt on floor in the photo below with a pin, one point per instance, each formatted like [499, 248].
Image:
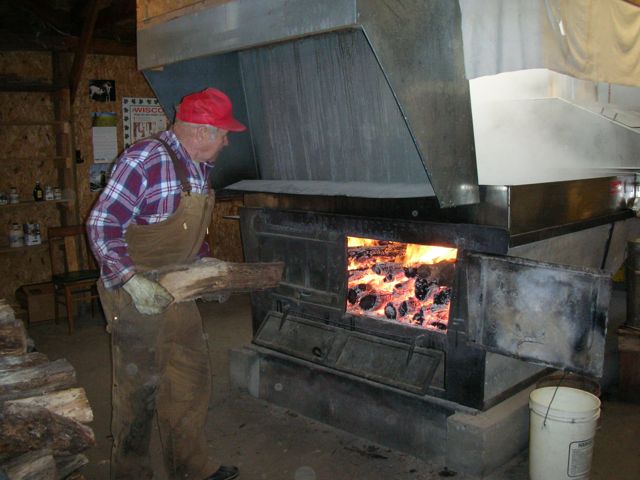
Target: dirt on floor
[269, 442]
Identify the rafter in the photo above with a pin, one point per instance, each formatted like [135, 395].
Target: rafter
[83, 46]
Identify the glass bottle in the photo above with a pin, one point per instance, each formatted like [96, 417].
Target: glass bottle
[14, 196]
[38, 193]
[16, 235]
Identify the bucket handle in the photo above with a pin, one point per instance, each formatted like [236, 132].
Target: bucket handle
[564, 374]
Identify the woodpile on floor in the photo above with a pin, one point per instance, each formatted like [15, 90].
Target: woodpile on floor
[42, 412]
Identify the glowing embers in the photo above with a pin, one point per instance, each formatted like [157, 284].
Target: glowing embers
[402, 282]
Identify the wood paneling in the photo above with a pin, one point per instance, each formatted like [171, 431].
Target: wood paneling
[151, 12]
[129, 83]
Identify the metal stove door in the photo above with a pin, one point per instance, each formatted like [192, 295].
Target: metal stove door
[543, 313]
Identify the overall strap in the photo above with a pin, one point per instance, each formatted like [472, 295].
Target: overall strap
[177, 166]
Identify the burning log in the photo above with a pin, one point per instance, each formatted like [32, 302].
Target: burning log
[418, 318]
[390, 311]
[372, 301]
[388, 268]
[215, 277]
[357, 275]
[356, 293]
[408, 307]
[438, 325]
[442, 273]
[442, 298]
[384, 252]
[420, 293]
[411, 272]
[423, 287]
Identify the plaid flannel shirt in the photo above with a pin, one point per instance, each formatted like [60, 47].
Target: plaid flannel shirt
[143, 189]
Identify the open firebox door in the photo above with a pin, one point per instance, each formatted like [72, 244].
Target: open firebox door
[543, 313]
[409, 314]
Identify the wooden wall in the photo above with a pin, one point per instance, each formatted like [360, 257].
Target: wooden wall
[224, 232]
[27, 155]
[129, 83]
[150, 12]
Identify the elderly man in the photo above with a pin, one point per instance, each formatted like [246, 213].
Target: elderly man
[155, 211]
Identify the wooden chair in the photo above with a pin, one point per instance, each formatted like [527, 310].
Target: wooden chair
[73, 269]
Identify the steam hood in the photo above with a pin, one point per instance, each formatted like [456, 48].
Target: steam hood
[362, 98]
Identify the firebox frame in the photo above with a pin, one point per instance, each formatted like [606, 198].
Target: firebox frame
[271, 234]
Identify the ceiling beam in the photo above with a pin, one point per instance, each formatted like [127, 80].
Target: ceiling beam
[58, 19]
[101, 46]
[83, 47]
[16, 42]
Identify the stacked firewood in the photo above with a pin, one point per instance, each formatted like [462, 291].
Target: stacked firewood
[42, 415]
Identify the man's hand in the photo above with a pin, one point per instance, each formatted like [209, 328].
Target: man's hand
[149, 297]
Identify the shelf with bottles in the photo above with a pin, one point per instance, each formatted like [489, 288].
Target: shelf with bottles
[27, 203]
[4, 248]
[22, 236]
[51, 195]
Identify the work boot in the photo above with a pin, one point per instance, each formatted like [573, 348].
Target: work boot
[224, 473]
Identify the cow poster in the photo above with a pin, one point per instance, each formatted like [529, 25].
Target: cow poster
[102, 90]
[142, 117]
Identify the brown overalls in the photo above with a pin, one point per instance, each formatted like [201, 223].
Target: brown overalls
[160, 362]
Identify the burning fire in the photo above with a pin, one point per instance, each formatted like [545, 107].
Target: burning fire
[402, 282]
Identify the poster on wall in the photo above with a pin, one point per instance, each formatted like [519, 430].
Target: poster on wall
[102, 90]
[105, 141]
[99, 174]
[142, 117]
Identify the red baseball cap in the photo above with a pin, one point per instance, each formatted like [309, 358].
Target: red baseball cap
[209, 107]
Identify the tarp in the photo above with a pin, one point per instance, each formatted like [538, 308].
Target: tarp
[597, 40]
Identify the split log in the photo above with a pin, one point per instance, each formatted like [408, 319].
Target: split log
[214, 277]
[14, 362]
[72, 403]
[356, 275]
[69, 464]
[36, 465]
[384, 252]
[442, 272]
[37, 380]
[13, 336]
[26, 428]
[388, 268]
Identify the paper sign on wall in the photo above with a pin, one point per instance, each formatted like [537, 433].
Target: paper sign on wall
[142, 117]
[105, 140]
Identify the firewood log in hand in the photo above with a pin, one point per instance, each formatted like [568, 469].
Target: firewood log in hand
[212, 279]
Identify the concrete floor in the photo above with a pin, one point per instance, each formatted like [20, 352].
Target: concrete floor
[268, 442]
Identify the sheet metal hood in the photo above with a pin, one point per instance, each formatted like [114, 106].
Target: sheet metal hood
[342, 97]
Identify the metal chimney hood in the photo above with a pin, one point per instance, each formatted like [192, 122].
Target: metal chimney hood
[360, 96]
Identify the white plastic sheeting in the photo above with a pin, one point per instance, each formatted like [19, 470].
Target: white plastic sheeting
[535, 125]
[597, 40]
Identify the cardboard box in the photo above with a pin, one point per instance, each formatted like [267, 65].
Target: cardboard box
[38, 300]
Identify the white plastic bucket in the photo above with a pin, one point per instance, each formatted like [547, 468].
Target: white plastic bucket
[561, 435]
